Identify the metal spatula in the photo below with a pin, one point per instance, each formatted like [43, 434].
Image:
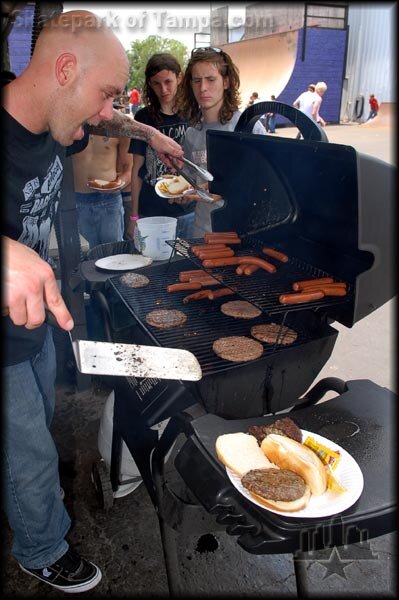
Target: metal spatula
[132, 360]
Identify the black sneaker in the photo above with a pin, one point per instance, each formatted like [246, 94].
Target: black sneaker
[70, 573]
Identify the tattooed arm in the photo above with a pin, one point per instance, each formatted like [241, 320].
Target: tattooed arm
[124, 126]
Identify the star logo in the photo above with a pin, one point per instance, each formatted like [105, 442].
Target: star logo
[46, 572]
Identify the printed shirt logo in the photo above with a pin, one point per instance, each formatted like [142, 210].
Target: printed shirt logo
[41, 202]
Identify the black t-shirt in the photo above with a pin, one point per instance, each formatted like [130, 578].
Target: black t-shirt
[150, 204]
[32, 178]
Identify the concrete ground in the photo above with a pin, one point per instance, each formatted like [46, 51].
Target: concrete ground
[126, 542]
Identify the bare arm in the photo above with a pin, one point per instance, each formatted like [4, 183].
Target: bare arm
[123, 126]
[28, 284]
[138, 161]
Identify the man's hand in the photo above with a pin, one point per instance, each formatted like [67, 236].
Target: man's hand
[29, 284]
[164, 145]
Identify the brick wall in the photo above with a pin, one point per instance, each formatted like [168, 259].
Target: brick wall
[325, 56]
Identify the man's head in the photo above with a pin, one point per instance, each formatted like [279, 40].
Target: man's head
[321, 88]
[77, 69]
[211, 83]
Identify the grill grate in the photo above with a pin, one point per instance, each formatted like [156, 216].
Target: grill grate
[205, 322]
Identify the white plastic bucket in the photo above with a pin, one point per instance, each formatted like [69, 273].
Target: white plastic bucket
[150, 236]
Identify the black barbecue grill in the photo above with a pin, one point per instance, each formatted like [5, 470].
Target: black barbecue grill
[329, 209]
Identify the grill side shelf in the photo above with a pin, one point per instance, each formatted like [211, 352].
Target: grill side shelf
[261, 288]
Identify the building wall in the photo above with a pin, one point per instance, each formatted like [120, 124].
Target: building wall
[20, 38]
[371, 63]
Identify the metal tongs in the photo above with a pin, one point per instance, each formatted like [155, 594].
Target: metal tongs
[203, 173]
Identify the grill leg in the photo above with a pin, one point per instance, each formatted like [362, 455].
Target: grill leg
[300, 574]
[169, 547]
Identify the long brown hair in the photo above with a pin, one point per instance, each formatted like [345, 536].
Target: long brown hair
[157, 62]
[186, 102]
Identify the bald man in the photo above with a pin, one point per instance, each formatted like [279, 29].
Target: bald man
[77, 69]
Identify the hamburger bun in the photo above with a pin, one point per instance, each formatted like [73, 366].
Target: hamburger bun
[177, 186]
[291, 506]
[240, 452]
[287, 453]
[103, 184]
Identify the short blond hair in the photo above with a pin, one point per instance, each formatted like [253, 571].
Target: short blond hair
[321, 86]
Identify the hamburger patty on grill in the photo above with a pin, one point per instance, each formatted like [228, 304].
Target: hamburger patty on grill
[163, 319]
[237, 348]
[240, 309]
[285, 426]
[272, 333]
[134, 280]
[274, 484]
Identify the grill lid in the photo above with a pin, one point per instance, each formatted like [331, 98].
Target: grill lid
[324, 204]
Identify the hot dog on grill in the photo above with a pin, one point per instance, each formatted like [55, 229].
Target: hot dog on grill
[188, 285]
[239, 260]
[275, 254]
[328, 289]
[301, 285]
[197, 296]
[299, 297]
[227, 253]
[220, 293]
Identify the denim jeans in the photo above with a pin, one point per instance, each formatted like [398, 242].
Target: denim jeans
[31, 485]
[184, 227]
[100, 217]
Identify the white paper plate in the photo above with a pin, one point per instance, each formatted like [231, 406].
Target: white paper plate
[119, 184]
[122, 262]
[164, 195]
[348, 474]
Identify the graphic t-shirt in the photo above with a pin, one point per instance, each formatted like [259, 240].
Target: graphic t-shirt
[33, 169]
[150, 204]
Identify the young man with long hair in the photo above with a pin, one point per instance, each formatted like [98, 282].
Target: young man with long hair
[162, 78]
[210, 98]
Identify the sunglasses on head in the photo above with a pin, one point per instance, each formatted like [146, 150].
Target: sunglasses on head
[199, 50]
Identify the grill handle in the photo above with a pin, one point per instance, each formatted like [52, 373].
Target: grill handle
[308, 128]
[320, 389]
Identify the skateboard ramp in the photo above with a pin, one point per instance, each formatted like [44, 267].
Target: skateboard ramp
[384, 117]
[265, 64]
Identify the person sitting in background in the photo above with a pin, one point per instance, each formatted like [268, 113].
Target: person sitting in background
[305, 102]
[162, 78]
[209, 96]
[101, 213]
[374, 106]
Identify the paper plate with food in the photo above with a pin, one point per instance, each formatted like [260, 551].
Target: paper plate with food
[104, 185]
[304, 476]
[172, 186]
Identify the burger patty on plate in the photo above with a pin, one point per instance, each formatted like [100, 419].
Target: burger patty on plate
[274, 484]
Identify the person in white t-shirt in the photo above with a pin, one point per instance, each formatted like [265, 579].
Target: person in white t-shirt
[305, 102]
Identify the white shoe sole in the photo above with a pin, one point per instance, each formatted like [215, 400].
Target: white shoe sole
[77, 589]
